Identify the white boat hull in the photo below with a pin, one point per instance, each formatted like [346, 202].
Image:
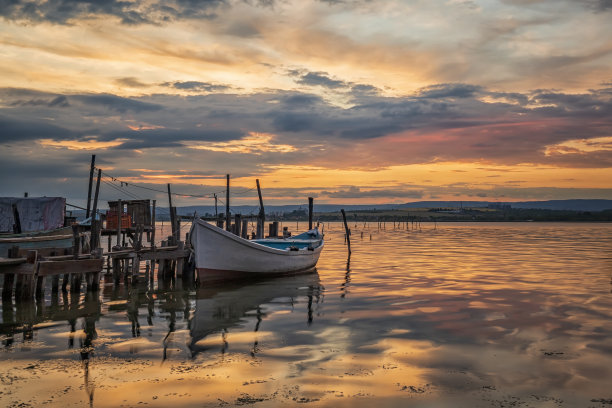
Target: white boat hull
[221, 255]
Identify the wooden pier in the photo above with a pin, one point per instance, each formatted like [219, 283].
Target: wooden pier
[25, 271]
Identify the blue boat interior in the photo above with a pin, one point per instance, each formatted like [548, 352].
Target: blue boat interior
[306, 240]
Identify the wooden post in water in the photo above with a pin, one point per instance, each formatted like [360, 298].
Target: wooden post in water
[26, 282]
[152, 261]
[17, 224]
[94, 241]
[238, 224]
[261, 219]
[347, 231]
[153, 224]
[75, 278]
[119, 217]
[172, 215]
[91, 173]
[245, 228]
[310, 211]
[228, 219]
[9, 278]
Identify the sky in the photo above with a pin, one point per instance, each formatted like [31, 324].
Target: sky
[348, 101]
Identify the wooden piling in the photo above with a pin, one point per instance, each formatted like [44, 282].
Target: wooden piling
[9, 278]
[119, 219]
[26, 282]
[16, 220]
[180, 262]
[310, 211]
[347, 231]
[261, 219]
[172, 215]
[91, 173]
[238, 224]
[245, 228]
[153, 224]
[94, 241]
[228, 219]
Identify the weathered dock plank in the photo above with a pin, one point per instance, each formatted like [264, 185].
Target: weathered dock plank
[49, 268]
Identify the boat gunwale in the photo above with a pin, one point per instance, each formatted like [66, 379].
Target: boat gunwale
[37, 238]
[251, 244]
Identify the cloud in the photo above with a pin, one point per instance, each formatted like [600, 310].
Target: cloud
[155, 138]
[31, 129]
[197, 86]
[321, 79]
[356, 192]
[443, 122]
[441, 91]
[60, 101]
[131, 82]
[117, 103]
[129, 12]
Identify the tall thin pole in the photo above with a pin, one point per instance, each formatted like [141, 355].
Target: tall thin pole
[216, 213]
[228, 220]
[262, 212]
[310, 206]
[119, 219]
[172, 214]
[95, 226]
[261, 218]
[153, 223]
[347, 231]
[91, 173]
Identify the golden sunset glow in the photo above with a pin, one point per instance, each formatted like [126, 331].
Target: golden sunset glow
[430, 100]
[255, 143]
[80, 144]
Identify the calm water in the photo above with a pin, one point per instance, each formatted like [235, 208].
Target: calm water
[466, 315]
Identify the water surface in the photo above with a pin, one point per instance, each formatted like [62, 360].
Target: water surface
[463, 315]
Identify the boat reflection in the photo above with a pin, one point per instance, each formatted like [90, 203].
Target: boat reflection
[220, 308]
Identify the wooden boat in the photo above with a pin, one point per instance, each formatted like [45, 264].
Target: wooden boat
[221, 255]
[56, 238]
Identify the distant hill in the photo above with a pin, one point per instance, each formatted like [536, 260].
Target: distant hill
[565, 205]
[572, 205]
[568, 205]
